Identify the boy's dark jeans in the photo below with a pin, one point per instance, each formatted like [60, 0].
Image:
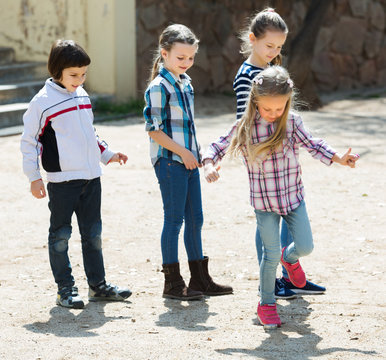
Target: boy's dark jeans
[84, 198]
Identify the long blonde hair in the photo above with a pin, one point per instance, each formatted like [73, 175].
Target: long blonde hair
[263, 21]
[273, 81]
[172, 34]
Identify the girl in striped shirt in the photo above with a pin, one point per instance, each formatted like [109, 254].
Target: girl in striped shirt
[268, 137]
[261, 43]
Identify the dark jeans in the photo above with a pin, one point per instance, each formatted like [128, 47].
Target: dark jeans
[181, 196]
[84, 198]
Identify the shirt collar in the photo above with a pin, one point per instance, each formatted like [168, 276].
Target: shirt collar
[184, 79]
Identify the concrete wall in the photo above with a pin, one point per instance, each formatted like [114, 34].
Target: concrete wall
[105, 28]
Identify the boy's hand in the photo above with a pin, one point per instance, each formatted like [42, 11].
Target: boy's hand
[119, 157]
[37, 189]
[347, 159]
[210, 172]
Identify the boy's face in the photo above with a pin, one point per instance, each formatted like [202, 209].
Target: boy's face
[73, 77]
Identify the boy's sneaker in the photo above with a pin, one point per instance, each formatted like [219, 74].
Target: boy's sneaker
[69, 298]
[268, 317]
[107, 292]
[295, 272]
[282, 292]
[309, 289]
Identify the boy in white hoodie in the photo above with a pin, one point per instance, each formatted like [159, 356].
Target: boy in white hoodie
[58, 127]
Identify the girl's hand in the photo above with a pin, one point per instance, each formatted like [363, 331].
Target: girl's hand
[189, 160]
[210, 172]
[119, 157]
[37, 189]
[347, 159]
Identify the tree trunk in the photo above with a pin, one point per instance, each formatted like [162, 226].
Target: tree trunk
[302, 50]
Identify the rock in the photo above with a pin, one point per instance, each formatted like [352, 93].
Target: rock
[323, 39]
[218, 71]
[349, 36]
[324, 71]
[346, 83]
[373, 42]
[377, 16]
[367, 73]
[381, 77]
[345, 65]
[231, 49]
[201, 59]
[152, 18]
[359, 7]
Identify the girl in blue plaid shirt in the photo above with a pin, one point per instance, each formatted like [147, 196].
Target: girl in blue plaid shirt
[268, 137]
[175, 155]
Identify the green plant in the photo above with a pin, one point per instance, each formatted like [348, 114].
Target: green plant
[104, 107]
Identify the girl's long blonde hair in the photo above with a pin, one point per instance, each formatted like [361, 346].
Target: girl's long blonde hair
[273, 81]
[263, 21]
[172, 34]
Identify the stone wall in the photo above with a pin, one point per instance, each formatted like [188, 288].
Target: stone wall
[350, 50]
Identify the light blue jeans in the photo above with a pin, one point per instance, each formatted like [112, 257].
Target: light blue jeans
[285, 239]
[302, 245]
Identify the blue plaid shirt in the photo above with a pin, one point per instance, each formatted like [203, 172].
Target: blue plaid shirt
[170, 108]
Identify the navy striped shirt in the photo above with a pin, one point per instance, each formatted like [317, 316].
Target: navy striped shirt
[242, 85]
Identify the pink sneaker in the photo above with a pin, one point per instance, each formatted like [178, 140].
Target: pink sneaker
[267, 315]
[295, 272]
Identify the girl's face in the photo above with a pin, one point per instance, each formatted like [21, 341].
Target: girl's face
[180, 58]
[272, 107]
[73, 77]
[266, 48]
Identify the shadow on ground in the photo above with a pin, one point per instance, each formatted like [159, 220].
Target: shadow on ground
[295, 334]
[65, 322]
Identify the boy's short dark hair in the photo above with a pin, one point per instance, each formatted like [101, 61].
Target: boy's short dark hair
[65, 54]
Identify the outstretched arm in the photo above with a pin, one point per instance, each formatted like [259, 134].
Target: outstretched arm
[211, 171]
[347, 159]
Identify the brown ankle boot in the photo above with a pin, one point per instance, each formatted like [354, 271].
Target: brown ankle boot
[175, 287]
[201, 280]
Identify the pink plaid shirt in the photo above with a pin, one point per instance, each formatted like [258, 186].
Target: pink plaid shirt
[275, 183]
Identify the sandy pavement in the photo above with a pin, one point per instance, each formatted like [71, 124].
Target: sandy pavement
[347, 208]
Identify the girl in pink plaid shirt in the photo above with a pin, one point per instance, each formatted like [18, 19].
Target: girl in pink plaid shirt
[268, 137]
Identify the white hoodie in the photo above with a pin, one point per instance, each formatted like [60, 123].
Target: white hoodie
[58, 126]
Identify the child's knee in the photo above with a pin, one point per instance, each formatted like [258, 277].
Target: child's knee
[305, 249]
[60, 246]
[94, 242]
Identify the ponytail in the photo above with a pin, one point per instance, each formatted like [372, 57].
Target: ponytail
[172, 34]
[155, 67]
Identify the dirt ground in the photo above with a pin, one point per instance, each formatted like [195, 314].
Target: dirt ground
[347, 208]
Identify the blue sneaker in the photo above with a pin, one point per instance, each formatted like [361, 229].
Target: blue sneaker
[281, 292]
[309, 289]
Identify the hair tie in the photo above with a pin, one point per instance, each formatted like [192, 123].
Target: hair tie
[290, 83]
[258, 80]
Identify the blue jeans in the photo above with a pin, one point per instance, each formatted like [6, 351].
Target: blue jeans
[285, 239]
[84, 198]
[268, 224]
[181, 196]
